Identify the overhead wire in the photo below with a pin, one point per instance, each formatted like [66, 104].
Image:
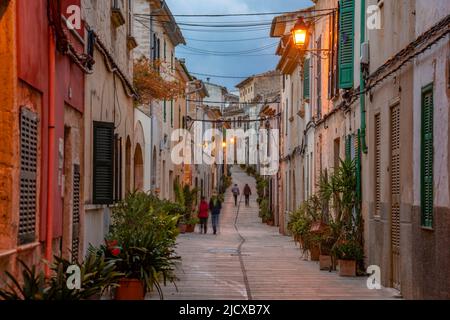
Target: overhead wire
[241, 14]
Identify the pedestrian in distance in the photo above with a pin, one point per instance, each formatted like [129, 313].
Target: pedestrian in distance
[203, 215]
[247, 194]
[215, 206]
[236, 193]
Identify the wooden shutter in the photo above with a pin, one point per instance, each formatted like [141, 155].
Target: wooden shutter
[28, 168]
[427, 157]
[306, 79]
[395, 196]
[76, 214]
[348, 147]
[346, 43]
[171, 113]
[377, 155]
[103, 163]
[164, 110]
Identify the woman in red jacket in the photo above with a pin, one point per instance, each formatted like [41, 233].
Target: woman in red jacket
[203, 215]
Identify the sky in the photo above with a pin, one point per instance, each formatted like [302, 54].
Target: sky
[250, 39]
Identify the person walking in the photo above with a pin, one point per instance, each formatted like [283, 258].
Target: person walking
[236, 193]
[203, 215]
[215, 206]
[247, 194]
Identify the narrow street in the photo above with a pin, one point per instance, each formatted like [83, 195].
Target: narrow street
[250, 260]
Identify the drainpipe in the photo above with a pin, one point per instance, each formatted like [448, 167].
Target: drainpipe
[362, 97]
[51, 147]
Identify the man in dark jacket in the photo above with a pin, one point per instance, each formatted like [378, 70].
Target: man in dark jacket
[215, 206]
[247, 194]
[236, 193]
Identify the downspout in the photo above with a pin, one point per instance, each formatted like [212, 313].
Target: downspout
[362, 85]
[51, 147]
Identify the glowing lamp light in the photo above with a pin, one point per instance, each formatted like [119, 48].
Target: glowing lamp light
[232, 140]
[299, 33]
[224, 144]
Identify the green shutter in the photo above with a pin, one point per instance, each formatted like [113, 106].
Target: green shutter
[346, 43]
[164, 110]
[103, 163]
[171, 113]
[348, 150]
[306, 79]
[427, 157]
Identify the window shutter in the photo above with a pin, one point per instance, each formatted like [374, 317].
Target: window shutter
[28, 168]
[103, 162]
[306, 79]
[171, 113]
[164, 110]
[76, 214]
[377, 155]
[427, 157]
[348, 147]
[346, 43]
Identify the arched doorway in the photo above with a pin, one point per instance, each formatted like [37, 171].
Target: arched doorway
[138, 169]
[128, 166]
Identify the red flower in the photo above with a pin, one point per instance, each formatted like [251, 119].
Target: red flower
[115, 251]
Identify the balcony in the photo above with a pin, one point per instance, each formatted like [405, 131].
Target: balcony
[117, 13]
[131, 42]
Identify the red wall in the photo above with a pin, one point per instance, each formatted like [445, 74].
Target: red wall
[33, 55]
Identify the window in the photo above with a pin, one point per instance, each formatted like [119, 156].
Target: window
[76, 214]
[171, 113]
[333, 89]
[165, 51]
[377, 155]
[292, 99]
[319, 80]
[165, 110]
[346, 43]
[306, 79]
[427, 157]
[103, 163]
[118, 164]
[155, 45]
[337, 152]
[28, 168]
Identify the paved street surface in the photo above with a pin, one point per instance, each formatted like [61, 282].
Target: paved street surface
[250, 260]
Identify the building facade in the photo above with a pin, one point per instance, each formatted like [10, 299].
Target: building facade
[113, 152]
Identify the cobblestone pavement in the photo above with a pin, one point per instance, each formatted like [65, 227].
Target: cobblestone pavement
[250, 260]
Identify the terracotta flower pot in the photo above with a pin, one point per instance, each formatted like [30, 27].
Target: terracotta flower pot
[182, 228]
[130, 289]
[315, 253]
[347, 268]
[325, 262]
[190, 228]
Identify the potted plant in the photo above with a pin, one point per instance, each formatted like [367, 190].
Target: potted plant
[97, 275]
[141, 242]
[186, 199]
[191, 223]
[348, 253]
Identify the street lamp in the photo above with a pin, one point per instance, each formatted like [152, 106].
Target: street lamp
[300, 33]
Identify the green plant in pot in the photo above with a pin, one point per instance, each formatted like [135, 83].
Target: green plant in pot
[142, 243]
[186, 199]
[348, 253]
[96, 274]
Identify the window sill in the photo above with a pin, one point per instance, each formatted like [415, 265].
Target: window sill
[427, 228]
[23, 248]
